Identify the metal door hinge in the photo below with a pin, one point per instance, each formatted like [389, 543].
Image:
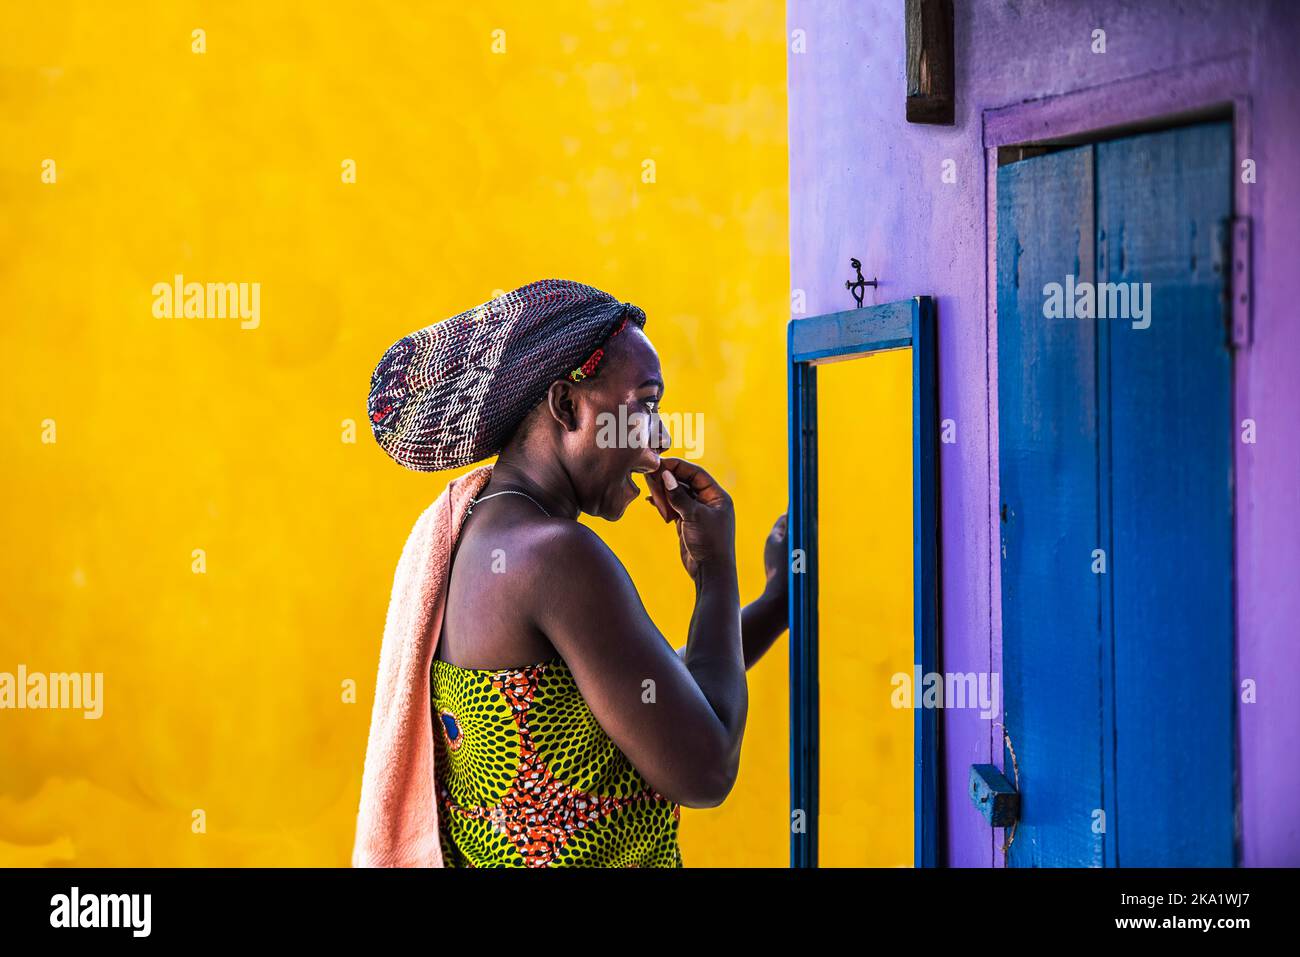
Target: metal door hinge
[1239, 283]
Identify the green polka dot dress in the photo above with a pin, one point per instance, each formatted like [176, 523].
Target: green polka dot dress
[526, 777]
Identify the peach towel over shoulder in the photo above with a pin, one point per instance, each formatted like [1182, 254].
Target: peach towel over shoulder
[397, 823]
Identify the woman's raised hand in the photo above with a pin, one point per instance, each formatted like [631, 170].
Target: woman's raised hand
[702, 510]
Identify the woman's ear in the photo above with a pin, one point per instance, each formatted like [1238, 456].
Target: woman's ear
[562, 402]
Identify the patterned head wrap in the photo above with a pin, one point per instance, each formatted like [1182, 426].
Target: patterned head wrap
[453, 393]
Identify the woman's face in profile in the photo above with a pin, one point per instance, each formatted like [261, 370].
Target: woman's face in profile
[619, 431]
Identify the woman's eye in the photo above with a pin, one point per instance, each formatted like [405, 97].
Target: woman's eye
[652, 405]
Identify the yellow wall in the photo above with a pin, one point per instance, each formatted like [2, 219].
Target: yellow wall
[864, 440]
[476, 171]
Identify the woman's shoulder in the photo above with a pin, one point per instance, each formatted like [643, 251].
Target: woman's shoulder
[554, 543]
[538, 561]
[553, 575]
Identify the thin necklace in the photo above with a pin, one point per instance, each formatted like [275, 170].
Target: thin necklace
[508, 491]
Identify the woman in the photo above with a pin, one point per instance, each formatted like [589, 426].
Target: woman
[567, 731]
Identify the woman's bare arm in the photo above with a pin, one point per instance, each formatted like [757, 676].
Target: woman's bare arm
[767, 617]
[680, 721]
[762, 622]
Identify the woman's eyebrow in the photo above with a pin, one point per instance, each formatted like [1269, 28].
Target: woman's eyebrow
[652, 381]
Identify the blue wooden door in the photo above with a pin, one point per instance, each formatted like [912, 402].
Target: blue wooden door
[1115, 444]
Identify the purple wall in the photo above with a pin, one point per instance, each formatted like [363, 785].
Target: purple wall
[866, 183]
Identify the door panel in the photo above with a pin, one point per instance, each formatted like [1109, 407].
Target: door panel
[1051, 599]
[1164, 201]
[1115, 435]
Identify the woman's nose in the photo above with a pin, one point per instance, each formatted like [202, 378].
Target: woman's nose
[663, 440]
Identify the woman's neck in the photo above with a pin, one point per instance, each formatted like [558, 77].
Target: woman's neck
[543, 480]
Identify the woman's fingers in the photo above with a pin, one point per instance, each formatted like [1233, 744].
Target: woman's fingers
[699, 482]
[660, 509]
[679, 496]
[658, 497]
[706, 523]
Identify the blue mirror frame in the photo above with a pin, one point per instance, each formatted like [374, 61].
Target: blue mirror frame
[908, 324]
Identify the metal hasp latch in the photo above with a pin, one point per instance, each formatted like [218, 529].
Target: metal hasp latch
[995, 796]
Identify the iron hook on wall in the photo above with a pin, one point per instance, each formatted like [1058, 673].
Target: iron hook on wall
[859, 286]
